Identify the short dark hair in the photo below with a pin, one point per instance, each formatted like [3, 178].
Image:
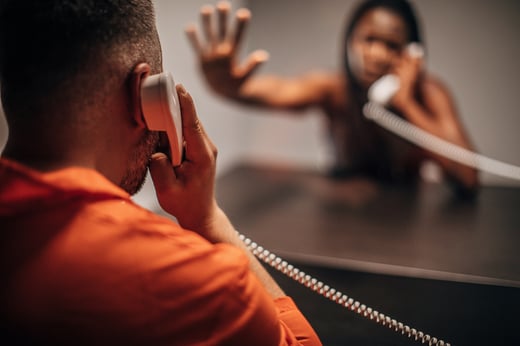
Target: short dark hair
[400, 7]
[46, 44]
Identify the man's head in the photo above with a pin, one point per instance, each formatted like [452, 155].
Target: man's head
[68, 70]
[375, 37]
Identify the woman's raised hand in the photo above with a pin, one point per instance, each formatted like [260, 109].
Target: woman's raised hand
[218, 53]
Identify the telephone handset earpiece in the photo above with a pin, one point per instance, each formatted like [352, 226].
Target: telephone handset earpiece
[382, 90]
[161, 111]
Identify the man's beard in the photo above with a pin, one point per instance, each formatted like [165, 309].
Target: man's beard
[135, 175]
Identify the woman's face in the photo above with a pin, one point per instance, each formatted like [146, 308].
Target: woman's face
[376, 45]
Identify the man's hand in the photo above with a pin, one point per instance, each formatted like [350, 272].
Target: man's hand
[218, 57]
[187, 191]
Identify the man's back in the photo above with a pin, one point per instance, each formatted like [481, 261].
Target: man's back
[79, 255]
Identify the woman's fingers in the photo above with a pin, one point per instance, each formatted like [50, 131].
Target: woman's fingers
[218, 39]
[193, 37]
[223, 9]
[242, 18]
[252, 63]
[206, 14]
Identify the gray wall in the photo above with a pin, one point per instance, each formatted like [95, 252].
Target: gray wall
[472, 45]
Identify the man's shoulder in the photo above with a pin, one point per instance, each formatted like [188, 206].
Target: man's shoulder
[123, 269]
[126, 224]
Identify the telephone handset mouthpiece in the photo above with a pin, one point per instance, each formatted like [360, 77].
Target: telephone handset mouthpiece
[161, 111]
[382, 90]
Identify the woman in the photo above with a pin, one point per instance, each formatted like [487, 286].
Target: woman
[375, 39]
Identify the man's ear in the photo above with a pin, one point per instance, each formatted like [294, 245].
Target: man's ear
[139, 73]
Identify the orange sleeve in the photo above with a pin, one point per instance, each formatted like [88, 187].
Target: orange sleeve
[243, 312]
[294, 321]
[238, 310]
[101, 270]
[262, 321]
[162, 285]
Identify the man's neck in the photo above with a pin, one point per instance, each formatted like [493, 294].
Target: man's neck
[44, 160]
[47, 147]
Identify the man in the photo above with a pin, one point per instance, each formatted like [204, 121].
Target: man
[81, 263]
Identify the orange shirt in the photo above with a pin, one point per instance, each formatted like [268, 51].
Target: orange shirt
[83, 264]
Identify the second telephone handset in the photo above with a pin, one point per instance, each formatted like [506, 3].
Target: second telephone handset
[161, 111]
[382, 90]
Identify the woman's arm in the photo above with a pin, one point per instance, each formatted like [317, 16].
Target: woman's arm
[437, 114]
[228, 77]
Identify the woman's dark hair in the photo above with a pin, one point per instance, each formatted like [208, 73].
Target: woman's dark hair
[400, 7]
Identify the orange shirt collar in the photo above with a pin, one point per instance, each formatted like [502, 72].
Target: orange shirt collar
[20, 185]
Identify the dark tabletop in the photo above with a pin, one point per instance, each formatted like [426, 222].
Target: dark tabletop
[449, 266]
[421, 231]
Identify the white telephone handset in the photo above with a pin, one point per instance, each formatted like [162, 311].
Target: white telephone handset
[379, 96]
[161, 111]
[384, 88]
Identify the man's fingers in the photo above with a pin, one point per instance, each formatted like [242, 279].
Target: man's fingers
[223, 9]
[242, 17]
[162, 172]
[197, 142]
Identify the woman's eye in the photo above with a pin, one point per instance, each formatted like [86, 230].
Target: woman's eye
[369, 39]
[394, 47]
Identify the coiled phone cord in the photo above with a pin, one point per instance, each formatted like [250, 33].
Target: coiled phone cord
[336, 296]
[393, 123]
[377, 113]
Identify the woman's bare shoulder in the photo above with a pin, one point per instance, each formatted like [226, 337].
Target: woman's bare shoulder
[432, 85]
[333, 88]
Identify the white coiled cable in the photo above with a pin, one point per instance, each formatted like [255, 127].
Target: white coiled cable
[424, 139]
[338, 297]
